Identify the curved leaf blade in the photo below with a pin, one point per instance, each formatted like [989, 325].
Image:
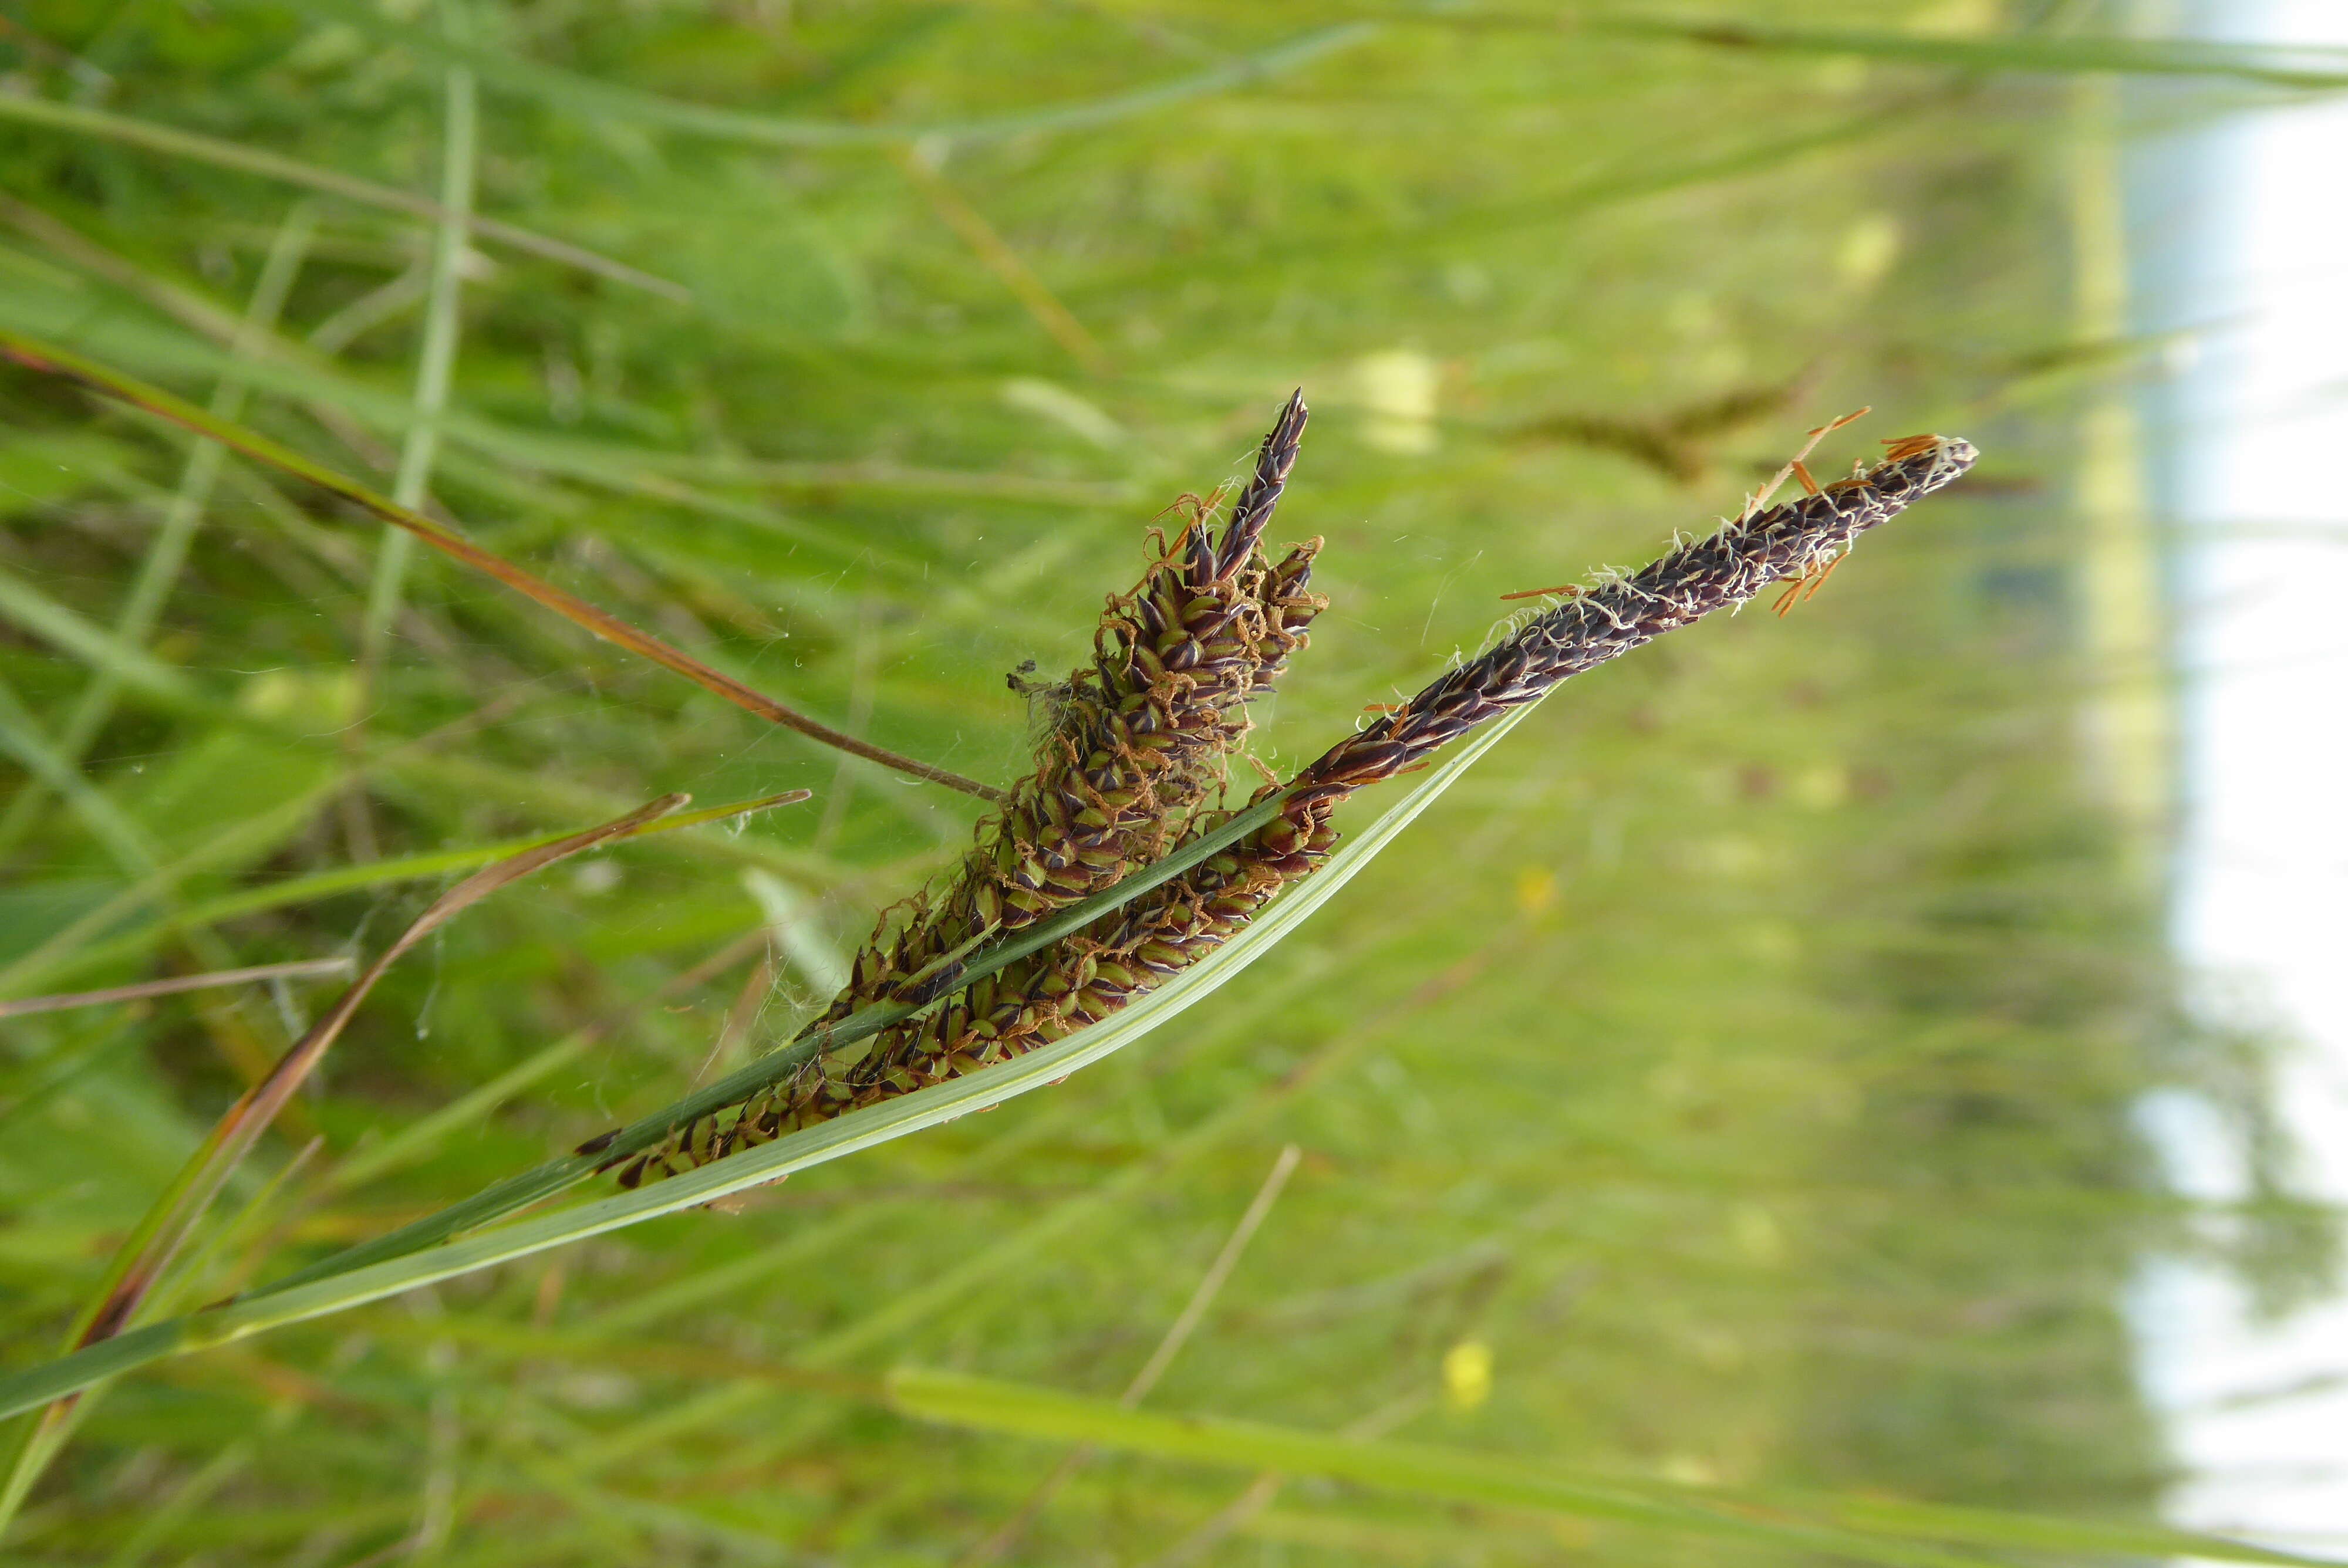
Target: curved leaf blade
[799, 1151]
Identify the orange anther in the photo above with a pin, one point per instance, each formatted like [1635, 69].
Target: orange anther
[1754, 504]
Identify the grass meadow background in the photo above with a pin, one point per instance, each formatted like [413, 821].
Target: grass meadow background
[1728, 1084]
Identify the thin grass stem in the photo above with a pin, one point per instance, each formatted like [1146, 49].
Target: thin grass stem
[436, 358]
[298, 969]
[586, 96]
[222, 154]
[1812, 1524]
[140, 1263]
[345, 879]
[114, 830]
[418, 1138]
[168, 552]
[2309, 67]
[1178, 1333]
[1000, 258]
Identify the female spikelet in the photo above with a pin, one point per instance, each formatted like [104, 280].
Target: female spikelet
[1137, 739]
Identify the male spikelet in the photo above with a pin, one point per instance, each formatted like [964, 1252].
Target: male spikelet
[1137, 742]
[1086, 978]
[1173, 926]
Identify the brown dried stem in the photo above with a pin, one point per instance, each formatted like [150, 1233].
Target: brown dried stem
[154, 400]
[58, 1002]
[151, 1247]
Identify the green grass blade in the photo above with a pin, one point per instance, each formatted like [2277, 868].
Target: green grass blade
[604, 100]
[22, 740]
[59, 953]
[290, 369]
[293, 1303]
[154, 1244]
[2026, 1532]
[906, 1309]
[412, 1142]
[1275, 252]
[1452, 1475]
[886, 476]
[436, 360]
[1864, 1529]
[2301, 67]
[536, 1186]
[961, 1286]
[123, 662]
[167, 553]
[222, 154]
[349, 878]
[40, 355]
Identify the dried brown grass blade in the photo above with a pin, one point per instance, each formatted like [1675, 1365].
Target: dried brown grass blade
[139, 1262]
[70, 366]
[1009, 267]
[153, 1245]
[61, 1000]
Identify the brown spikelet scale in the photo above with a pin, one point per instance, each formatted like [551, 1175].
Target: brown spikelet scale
[1135, 742]
[1086, 978]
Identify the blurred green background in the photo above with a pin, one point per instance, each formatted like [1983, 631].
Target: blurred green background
[1728, 1083]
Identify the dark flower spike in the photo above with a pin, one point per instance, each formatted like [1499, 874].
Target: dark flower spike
[1086, 978]
[1137, 740]
[1254, 509]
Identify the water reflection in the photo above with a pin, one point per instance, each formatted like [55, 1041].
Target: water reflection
[2256, 1392]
